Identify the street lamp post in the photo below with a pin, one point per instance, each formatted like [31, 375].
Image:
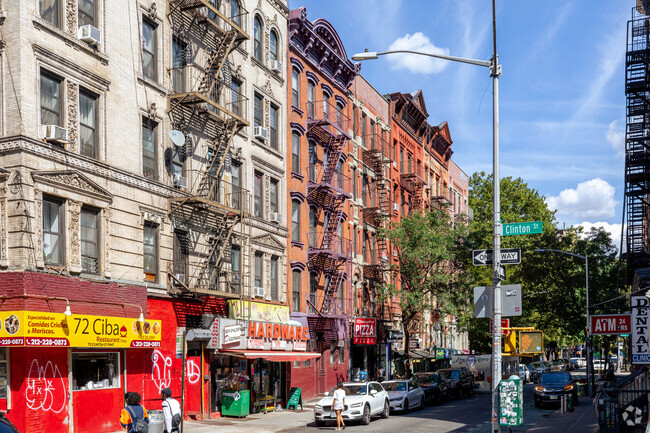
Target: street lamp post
[495, 73]
[588, 328]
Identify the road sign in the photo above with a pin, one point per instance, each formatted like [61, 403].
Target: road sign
[509, 256]
[510, 300]
[505, 323]
[500, 272]
[611, 324]
[528, 228]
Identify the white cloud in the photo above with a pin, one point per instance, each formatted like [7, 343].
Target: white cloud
[417, 64]
[616, 138]
[613, 229]
[590, 200]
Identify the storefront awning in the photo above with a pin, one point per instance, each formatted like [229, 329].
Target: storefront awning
[272, 356]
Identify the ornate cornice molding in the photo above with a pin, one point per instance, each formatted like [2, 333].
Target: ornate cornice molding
[72, 180]
[269, 241]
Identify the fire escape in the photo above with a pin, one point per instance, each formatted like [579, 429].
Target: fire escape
[377, 159]
[637, 141]
[327, 191]
[207, 210]
[412, 181]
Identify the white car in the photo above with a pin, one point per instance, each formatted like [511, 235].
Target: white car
[404, 394]
[363, 400]
[524, 374]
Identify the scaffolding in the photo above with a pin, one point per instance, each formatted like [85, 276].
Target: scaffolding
[377, 212]
[209, 212]
[637, 141]
[329, 253]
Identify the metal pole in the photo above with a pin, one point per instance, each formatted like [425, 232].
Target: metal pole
[495, 71]
[590, 377]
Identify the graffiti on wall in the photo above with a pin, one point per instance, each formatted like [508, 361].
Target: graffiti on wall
[161, 374]
[46, 388]
[193, 371]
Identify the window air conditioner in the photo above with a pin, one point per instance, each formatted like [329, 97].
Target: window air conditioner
[276, 217]
[276, 66]
[260, 133]
[90, 34]
[180, 278]
[396, 207]
[180, 181]
[55, 133]
[258, 292]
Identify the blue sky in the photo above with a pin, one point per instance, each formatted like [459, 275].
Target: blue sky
[562, 101]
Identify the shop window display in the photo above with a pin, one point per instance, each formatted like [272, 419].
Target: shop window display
[95, 370]
[4, 368]
[228, 374]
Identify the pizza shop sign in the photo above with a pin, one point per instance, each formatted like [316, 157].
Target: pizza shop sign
[365, 331]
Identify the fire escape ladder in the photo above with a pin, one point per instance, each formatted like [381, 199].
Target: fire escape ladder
[335, 149]
[217, 251]
[417, 195]
[216, 60]
[218, 149]
[329, 300]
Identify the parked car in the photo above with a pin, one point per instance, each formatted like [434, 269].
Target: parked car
[435, 387]
[533, 372]
[546, 366]
[524, 374]
[404, 394]
[460, 381]
[552, 386]
[363, 400]
[539, 368]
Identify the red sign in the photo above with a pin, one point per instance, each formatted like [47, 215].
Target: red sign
[505, 323]
[365, 331]
[608, 324]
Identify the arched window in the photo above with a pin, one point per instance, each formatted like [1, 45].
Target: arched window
[257, 39]
[310, 99]
[273, 45]
[295, 88]
[235, 12]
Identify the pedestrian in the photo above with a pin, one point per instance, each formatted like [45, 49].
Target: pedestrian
[380, 374]
[339, 404]
[134, 417]
[171, 411]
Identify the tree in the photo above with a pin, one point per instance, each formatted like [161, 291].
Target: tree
[430, 259]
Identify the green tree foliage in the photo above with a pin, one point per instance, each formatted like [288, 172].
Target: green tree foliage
[431, 257]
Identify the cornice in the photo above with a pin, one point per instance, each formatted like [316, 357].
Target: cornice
[81, 73]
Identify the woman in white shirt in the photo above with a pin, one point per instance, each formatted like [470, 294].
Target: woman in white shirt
[339, 404]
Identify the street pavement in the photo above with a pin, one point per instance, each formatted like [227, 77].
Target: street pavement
[469, 415]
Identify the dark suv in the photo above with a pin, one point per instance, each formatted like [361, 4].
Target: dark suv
[460, 381]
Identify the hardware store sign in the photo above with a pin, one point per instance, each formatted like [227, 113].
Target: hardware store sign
[32, 328]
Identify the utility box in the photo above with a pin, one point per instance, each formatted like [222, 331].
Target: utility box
[511, 402]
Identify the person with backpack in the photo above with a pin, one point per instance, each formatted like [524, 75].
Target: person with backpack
[171, 412]
[134, 416]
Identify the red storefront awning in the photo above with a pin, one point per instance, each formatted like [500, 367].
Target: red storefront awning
[271, 356]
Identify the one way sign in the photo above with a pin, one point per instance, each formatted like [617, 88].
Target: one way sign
[509, 256]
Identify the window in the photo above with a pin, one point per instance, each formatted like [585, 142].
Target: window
[339, 115]
[95, 370]
[257, 39]
[295, 278]
[354, 241]
[179, 65]
[409, 159]
[4, 373]
[326, 106]
[89, 240]
[257, 110]
[295, 88]
[235, 173]
[149, 49]
[313, 287]
[88, 123]
[364, 189]
[342, 359]
[295, 221]
[354, 121]
[273, 45]
[273, 193]
[401, 160]
[274, 278]
[49, 10]
[295, 152]
[312, 226]
[236, 97]
[50, 99]
[257, 195]
[235, 12]
[372, 134]
[274, 126]
[86, 13]
[310, 99]
[235, 259]
[258, 269]
[354, 184]
[53, 241]
[363, 129]
[150, 251]
[149, 128]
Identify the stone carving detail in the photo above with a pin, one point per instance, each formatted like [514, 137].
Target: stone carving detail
[38, 228]
[71, 16]
[152, 217]
[153, 11]
[267, 88]
[107, 242]
[73, 110]
[3, 229]
[77, 181]
[237, 73]
[73, 232]
[152, 111]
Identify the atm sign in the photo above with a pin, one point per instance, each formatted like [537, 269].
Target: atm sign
[365, 331]
[611, 324]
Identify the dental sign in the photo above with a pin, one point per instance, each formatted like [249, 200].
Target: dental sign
[639, 335]
[42, 329]
[365, 331]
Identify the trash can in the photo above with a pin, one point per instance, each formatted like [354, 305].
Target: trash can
[156, 421]
[235, 403]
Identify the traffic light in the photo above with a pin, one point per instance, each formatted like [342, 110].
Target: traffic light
[510, 342]
[531, 342]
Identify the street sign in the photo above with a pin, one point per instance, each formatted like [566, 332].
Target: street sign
[510, 300]
[639, 339]
[528, 228]
[611, 324]
[509, 256]
[505, 323]
[500, 272]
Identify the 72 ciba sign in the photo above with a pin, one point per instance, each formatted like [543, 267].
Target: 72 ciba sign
[611, 324]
